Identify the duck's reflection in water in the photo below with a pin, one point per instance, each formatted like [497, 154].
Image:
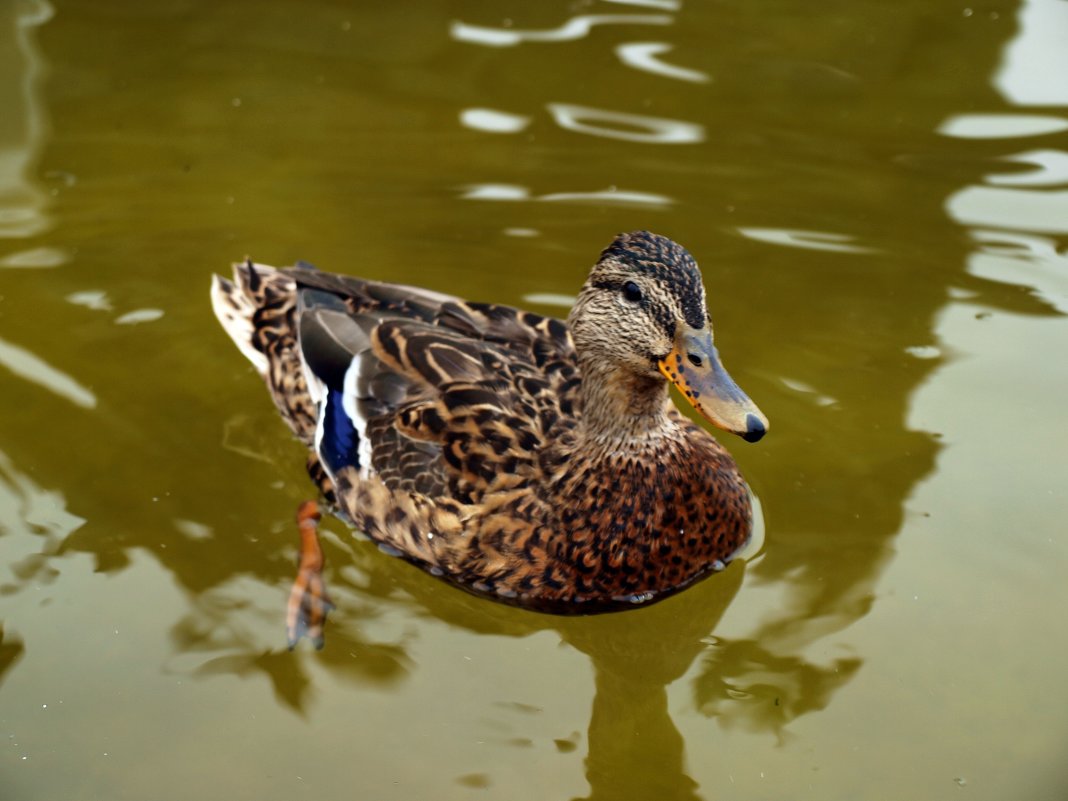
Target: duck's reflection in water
[635, 749]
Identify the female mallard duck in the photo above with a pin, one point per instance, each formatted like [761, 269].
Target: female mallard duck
[535, 462]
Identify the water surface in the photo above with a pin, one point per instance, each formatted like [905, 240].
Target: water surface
[877, 194]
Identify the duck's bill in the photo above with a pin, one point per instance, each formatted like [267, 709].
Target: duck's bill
[694, 367]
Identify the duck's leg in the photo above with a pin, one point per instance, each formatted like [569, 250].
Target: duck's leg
[309, 602]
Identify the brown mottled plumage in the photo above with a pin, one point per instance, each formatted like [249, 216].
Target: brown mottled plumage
[532, 461]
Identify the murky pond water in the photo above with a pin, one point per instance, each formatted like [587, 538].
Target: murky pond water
[878, 196]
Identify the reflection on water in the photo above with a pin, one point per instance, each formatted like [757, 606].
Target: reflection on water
[486, 119]
[34, 526]
[592, 121]
[1035, 62]
[645, 56]
[612, 196]
[1034, 200]
[635, 658]
[628, 127]
[32, 368]
[816, 240]
[1037, 262]
[608, 123]
[22, 125]
[1000, 126]
[1029, 210]
[35, 258]
[575, 28]
[11, 650]
[1050, 169]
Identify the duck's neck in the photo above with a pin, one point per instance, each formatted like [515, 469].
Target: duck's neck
[621, 410]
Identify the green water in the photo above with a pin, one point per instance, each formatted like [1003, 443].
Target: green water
[878, 196]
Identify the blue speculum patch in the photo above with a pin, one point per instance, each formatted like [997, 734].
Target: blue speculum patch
[338, 446]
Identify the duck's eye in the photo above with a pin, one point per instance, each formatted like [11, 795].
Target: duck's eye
[632, 292]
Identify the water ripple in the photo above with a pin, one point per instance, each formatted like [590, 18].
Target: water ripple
[493, 121]
[636, 127]
[1036, 210]
[643, 56]
[23, 201]
[96, 299]
[666, 5]
[1036, 262]
[809, 240]
[34, 369]
[36, 258]
[29, 508]
[1001, 126]
[575, 28]
[139, 316]
[516, 192]
[1035, 63]
[1052, 169]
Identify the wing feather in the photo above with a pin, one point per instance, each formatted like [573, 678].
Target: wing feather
[446, 398]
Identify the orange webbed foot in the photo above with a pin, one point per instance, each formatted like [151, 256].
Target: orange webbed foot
[309, 601]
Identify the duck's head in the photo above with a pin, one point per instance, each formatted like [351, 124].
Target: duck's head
[642, 311]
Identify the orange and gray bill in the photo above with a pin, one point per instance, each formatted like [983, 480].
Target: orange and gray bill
[694, 367]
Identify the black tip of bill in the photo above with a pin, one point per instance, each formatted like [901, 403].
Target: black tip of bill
[754, 428]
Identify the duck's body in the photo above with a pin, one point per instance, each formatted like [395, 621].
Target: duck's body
[537, 462]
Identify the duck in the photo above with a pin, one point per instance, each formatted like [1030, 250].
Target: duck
[530, 460]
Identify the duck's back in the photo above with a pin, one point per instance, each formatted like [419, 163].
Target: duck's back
[430, 394]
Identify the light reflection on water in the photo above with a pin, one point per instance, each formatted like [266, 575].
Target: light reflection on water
[575, 28]
[881, 258]
[592, 121]
[26, 365]
[612, 195]
[645, 56]
[1035, 62]
[22, 130]
[816, 240]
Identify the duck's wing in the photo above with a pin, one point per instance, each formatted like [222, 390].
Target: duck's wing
[520, 332]
[431, 394]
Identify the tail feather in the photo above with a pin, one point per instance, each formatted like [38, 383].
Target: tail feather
[235, 305]
[257, 310]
